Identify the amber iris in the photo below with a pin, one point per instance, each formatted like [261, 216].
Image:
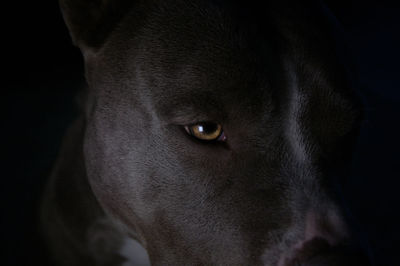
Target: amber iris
[205, 131]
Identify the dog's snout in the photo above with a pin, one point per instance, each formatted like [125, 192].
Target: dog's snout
[329, 226]
[326, 241]
[318, 252]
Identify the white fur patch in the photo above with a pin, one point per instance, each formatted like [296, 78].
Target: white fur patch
[134, 253]
[295, 135]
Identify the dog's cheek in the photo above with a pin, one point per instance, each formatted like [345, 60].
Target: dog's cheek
[335, 127]
[117, 149]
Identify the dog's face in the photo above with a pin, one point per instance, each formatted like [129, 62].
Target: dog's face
[213, 128]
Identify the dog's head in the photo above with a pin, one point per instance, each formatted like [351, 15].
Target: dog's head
[214, 128]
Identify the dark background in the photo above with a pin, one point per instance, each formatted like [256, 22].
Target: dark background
[43, 71]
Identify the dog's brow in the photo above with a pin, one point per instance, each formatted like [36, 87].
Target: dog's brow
[186, 110]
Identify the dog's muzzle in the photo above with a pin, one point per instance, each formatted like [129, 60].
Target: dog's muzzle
[327, 242]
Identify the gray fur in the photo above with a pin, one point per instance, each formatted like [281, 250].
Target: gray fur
[268, 72]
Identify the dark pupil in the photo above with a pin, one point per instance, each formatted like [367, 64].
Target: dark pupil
[208, 128]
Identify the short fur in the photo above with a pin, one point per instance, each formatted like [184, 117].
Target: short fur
[269, 72]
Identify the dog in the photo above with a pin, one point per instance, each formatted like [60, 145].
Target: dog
[212, 132]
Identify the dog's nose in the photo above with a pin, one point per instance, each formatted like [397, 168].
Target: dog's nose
[329, 226]
[327, 242]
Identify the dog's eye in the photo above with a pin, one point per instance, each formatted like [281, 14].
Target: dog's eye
[207, 131]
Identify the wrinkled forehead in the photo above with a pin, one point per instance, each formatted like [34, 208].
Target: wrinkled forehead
[203, 42]
[212, 48]
[204, 48]
[213, 35]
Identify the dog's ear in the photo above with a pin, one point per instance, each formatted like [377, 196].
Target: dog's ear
[90, 21]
